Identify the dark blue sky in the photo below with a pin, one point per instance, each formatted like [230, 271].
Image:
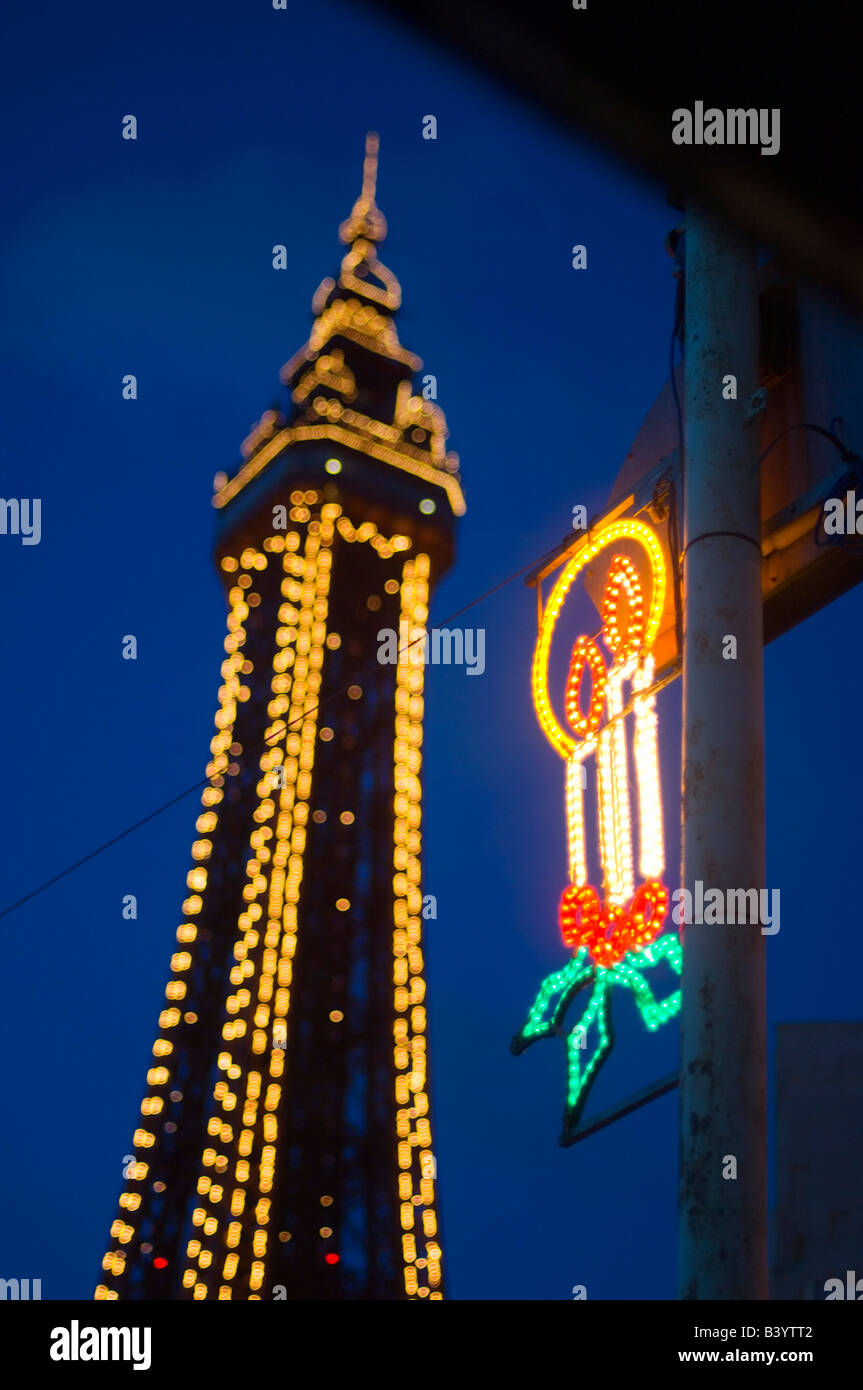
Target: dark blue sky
[154, 258]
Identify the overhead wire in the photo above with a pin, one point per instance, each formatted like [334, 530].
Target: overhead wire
[278, 733]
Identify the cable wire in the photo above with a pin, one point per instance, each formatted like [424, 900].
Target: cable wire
[266, 742]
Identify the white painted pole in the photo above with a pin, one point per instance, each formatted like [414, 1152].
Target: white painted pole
[723, 1219]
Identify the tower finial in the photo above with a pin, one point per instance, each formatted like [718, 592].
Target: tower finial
[370, 168]
[366, 219]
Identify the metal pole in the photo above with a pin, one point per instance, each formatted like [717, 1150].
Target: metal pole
[723, 1218]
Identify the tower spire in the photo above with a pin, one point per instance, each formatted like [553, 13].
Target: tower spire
[366, 219]
[370, 167]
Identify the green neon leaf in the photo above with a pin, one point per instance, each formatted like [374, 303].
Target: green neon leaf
[553, 998]
[628, 973]
[589, 1042]
[581, 1068]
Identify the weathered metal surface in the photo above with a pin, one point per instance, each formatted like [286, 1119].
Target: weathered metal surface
[723, 1220]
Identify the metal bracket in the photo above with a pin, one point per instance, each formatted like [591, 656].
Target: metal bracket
[617, 1112]
[756, 403]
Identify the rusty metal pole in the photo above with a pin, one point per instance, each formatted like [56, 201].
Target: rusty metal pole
[723, 1218]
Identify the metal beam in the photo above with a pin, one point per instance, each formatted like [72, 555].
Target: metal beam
[625, 1107]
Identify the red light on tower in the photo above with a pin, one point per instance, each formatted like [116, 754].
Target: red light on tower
[331, 1259]
[160, 1262]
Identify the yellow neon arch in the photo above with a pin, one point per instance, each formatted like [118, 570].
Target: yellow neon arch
[626, 528]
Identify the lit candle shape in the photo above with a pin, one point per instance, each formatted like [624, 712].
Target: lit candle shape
[615, 941]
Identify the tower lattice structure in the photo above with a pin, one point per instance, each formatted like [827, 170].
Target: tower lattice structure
[284, 1147]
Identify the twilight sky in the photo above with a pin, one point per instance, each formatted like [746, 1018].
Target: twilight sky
[154, 257]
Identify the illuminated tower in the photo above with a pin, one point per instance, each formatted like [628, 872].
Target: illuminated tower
[284, 1147]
